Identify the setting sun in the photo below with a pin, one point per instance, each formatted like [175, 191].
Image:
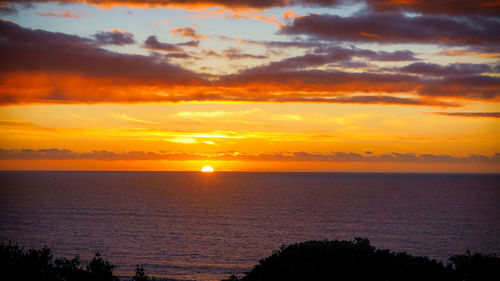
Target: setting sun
[207, 169]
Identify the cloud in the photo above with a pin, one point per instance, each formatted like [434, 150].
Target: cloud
[40, 66]
[65, 154]
[114, 37]
[163, 3]
[7, 9]
[233, 4]
[470, 87]
[335, 55]
[153, 44]
[132, 119]
[236, 53]
[294, 74]
[290, 14]
[11, 7]
[26, 50]
[192, 43]
[178, 56]
[456, 69]
[216, 114]
[64, 14]
[275, 44]
[48, 67]
[232, 13]
[188, 32]
[160, 23]
[450, 7]
[23, 124]
[468, 52]
[470, 114]
[397, 28]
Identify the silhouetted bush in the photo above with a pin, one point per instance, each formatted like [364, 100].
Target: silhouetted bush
[39, 265]
[477, 267]
[358, 260]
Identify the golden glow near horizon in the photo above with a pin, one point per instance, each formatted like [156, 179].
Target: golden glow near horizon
[207, 169]
[249, 87]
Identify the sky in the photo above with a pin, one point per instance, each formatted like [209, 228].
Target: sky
[277, 85]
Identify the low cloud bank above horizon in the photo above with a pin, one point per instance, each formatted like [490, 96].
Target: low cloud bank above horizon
[65, 154]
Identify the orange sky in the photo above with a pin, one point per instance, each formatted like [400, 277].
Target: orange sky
[243, 86]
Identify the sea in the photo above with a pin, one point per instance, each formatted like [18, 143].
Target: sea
[207, 226]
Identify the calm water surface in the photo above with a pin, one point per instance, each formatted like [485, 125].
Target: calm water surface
[194, 226]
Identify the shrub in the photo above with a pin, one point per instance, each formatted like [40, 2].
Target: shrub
[344, 260]
[17, 264]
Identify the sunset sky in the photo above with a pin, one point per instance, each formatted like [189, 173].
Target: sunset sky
[259, 85]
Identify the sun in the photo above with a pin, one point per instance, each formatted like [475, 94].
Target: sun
[207, 169]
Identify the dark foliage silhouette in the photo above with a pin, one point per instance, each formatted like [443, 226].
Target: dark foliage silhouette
[140, 275]
[358, 260]
[312, 260]
[476, 267]
[101, 270]
[19, 265]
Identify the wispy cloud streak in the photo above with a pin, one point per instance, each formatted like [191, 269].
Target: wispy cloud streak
[470, 114]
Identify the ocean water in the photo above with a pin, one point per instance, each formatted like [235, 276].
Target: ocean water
[198, 226]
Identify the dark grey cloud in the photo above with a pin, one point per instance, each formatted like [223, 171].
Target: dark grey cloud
[456, 69]
[153, 44]
[448, 7]
[337, 55]
[7, 9]
[235, 53]
[192, 43]
[28, 51]
[119, 38]
[397, 28]
[470, 114]
[454, 80]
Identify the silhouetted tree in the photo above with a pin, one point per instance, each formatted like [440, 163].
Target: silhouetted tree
[70, 269]
[139, 274]
[101, 270]
[19, 265]
[477, 267]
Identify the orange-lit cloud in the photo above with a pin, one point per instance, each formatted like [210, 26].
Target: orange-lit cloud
[290, 14]
[188, 32]
[466, 53]
[47, 67]
[132, 119]
[250, 14]
[163, 3]
[160, 23]
[456, 7]
[64, 14]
